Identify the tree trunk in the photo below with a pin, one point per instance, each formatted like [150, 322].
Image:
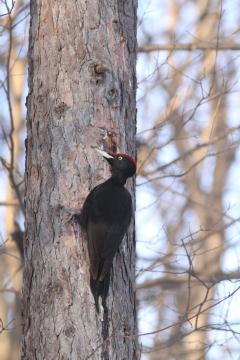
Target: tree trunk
[82, 95]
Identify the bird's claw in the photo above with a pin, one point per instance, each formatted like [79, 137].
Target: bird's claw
[70, 215]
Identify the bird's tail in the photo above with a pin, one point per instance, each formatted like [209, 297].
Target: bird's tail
[100, 288]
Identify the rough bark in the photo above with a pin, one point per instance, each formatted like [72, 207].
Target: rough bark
[82, 95]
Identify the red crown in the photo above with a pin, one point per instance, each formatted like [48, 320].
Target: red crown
[126, 156]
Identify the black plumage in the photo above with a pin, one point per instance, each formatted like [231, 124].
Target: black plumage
[105, 216]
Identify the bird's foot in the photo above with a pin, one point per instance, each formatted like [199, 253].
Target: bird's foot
[71, 215]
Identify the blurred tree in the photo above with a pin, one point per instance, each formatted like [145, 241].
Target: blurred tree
[185, 157]
[12, 68]
[188, 120]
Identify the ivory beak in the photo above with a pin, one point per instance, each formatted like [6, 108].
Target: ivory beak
[104, 154]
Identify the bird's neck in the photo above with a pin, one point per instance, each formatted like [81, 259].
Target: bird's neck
[119, 178]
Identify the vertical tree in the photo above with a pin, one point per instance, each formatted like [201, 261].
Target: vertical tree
[81, 95]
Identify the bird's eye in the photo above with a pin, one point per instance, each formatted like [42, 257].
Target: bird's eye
[119, 157]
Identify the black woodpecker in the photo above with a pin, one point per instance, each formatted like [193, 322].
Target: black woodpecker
[105, 217]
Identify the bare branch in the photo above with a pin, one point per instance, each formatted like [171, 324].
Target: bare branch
[189, 47]
[178, 279]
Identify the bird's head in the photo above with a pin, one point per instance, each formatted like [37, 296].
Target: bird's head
[120, 163]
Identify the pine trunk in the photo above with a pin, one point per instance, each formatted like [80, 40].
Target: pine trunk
[81, 95]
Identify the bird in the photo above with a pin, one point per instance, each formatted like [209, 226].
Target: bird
[105, 216]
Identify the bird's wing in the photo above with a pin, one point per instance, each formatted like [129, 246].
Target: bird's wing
[105, 227]
[87, 206]
[103, 243]
[96, 233]
[112, 242]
